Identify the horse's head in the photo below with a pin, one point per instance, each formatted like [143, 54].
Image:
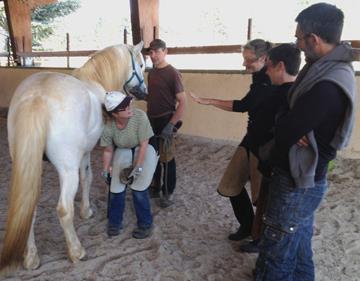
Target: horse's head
[116, 68]
[134, 84]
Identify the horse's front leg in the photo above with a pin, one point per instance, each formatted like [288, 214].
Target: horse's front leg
[69, 181]
[86, 178]
[31, 257]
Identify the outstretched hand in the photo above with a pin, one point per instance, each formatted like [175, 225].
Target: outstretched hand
[199, 100]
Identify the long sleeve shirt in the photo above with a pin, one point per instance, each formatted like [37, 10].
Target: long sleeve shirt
[321, 110]
[259, 91]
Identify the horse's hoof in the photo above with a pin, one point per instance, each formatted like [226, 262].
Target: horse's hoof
[32, 262]
[86, 214]
[77, 255]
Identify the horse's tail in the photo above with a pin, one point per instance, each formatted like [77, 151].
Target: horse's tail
[30, 127]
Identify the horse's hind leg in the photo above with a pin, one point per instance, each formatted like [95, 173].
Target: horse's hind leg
[31, 257]
[69, 181]
[86, 177]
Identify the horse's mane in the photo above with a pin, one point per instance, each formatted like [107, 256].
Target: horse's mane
[106, 67]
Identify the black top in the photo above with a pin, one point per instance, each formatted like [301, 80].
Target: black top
[321, 110]
[262, 127]
[259, 91]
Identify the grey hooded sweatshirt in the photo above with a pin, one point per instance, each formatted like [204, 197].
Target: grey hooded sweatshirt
[335, 67]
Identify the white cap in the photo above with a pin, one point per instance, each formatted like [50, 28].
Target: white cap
[114, 98]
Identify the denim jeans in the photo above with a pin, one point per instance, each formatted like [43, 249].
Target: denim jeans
[141, 204]
[285, 248]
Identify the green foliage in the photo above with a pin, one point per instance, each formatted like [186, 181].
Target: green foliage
[3, 23]
[331, 165]
[39, 33]
[47, 14]
[43, 18]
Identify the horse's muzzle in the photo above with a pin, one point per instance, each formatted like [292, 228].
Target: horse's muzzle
[139, 92]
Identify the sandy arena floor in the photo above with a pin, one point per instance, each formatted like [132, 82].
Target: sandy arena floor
[189, 242]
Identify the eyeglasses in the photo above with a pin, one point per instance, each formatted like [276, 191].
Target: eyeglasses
[122, 109]
[250, 60]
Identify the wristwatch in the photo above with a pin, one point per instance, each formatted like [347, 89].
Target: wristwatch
[139, 169]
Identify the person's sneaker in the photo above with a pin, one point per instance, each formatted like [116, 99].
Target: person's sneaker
[165, 202]
[113, 230]
[251, 247]
[142, 232]
[239, 235]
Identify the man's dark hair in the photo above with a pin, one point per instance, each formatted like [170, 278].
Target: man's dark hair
[289, 54]
[322, 19]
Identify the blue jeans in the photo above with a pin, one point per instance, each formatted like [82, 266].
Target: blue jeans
[285, 248]
[141, 204]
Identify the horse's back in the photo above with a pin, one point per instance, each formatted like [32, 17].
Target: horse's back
[42, 84]
[50, 87]
[74, 111]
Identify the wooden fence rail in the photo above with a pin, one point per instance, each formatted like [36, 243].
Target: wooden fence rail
[171, 50]
[217, 49]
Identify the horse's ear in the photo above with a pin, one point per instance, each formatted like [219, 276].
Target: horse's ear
[138, 47]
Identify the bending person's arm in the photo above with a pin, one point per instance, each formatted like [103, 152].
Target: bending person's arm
[139, 161]
[107, 158]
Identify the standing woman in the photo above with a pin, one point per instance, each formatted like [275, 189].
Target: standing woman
[243, 164]
[130, 160]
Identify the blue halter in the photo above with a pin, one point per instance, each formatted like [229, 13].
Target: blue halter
[134, 74]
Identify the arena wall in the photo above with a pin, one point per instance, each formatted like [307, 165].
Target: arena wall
[199, 120]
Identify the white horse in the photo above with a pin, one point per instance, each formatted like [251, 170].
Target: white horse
[61, 116]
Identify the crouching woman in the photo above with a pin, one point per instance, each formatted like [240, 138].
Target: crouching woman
[130, 161]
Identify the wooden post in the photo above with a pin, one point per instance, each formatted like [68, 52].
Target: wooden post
[125, 36]
[154, 32]
[67, 49]
[8, 50]
[144, 16]
[249, 29]
[22, 59]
